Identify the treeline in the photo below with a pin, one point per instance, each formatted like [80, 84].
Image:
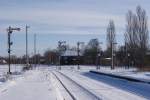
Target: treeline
[134, 52]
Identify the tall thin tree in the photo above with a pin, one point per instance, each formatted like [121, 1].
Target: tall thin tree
[111, 35]
[136, 35]
[111, 40]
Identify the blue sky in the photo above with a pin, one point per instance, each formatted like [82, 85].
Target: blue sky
[70, 20]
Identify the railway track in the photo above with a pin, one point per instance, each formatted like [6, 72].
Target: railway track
[104, 91]
[70, 94]
[88, 85]
[75, 90]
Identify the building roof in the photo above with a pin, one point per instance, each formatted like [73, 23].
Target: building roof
[3, 61]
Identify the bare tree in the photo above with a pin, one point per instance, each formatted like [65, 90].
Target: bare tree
[136, 35]
[111, 35]
[131, 35]
[111, 40]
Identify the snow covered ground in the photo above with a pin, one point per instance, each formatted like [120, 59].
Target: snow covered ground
[136, 88]
[32, 85]
[15, 69]
[42, 84]
[77, 90]
[101, 89]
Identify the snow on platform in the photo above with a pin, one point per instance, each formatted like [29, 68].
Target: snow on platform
[33, 85]
[15, 69]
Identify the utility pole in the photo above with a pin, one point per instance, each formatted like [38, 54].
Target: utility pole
[78, 53]
[27, 57]
[60, 44]
[35, 59]
[10, 30]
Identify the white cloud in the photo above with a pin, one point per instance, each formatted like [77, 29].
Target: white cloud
[58, 19]
[61, 18]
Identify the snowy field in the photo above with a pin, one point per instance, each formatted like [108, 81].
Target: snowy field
[32, 85]
[47, 83]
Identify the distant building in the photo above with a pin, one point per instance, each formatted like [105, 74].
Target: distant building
[69, 57]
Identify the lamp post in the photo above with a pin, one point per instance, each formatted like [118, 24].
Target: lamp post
[60, 44]
[27, 58]
[98, 55]
[97, 60]
[112, 55]
[35, 56]
[128, 59]
[78, 52]
[10, 30]
[127, 56]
